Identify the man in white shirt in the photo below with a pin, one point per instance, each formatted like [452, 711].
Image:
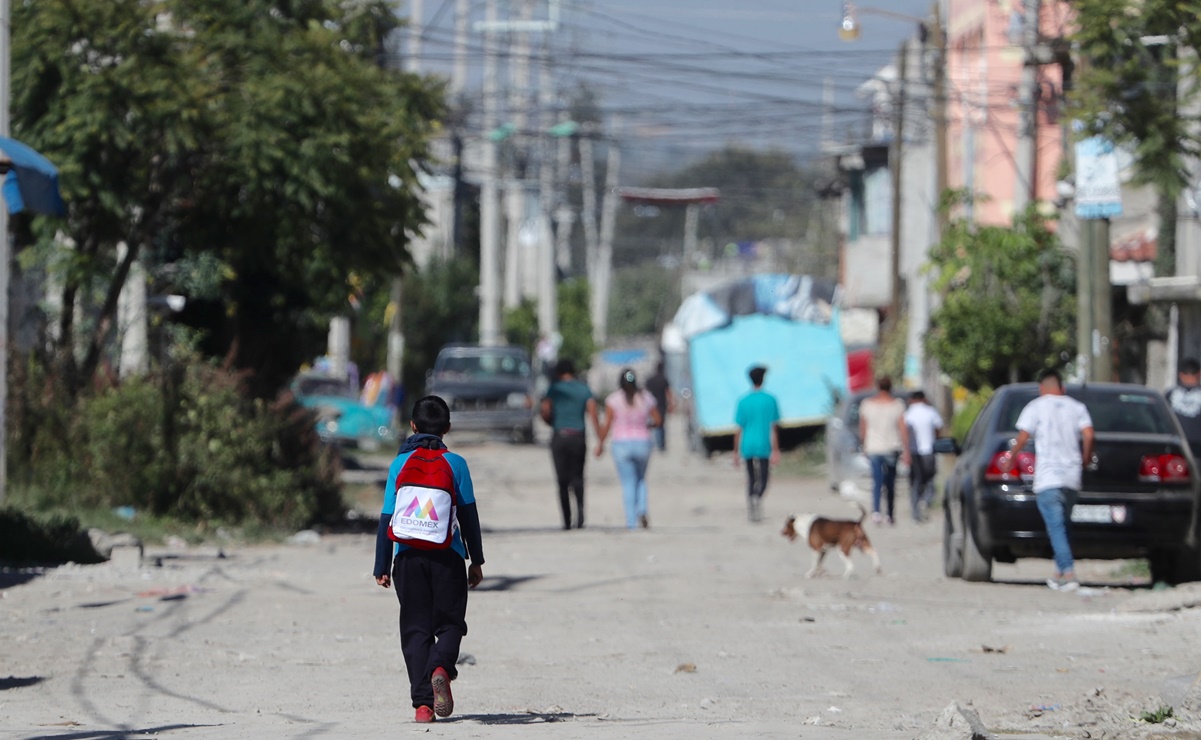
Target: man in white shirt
[1063, 444]
[924, 424]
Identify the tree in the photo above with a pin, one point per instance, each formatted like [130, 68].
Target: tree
[649, 297]
[1127, 90]
[261, 132]
[1008, 302]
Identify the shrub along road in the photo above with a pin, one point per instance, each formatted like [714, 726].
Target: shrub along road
[701, 626]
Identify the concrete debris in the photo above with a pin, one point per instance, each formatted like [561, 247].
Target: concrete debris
[104, 542]
[465, 659]
[125, 557]
[956, 723]
[305, 537]
[685, 668]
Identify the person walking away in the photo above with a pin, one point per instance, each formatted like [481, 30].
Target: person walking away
[1185, 400]
[660, 388]
[885, 438]
[924, 424]
[1063, 444]
[422, 553]
[629, 415]
[756, 439]
[567, 402]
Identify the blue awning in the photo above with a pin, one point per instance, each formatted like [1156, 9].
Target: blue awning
[32, 181]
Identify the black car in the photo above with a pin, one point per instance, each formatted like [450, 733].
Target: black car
[1139, 496]
[488, 389]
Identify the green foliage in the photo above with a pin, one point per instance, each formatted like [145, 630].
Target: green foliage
[644, 300]
[1157, 716]
[261, 133]
[1008, 302]
[966, 415]
[575, 323]
[189, 445]
[440, 307]
[521, 325]
[1127, 89]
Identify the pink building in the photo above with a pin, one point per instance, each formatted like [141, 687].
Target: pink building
[984, 68]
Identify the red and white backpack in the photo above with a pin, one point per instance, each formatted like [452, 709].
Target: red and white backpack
[426, 513]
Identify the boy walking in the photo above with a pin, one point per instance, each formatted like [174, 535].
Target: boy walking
[756, 439]
[426, 553]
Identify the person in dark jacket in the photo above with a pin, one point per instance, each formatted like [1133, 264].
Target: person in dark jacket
[431, 585]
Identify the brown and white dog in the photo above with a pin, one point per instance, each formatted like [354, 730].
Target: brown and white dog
[825, 534]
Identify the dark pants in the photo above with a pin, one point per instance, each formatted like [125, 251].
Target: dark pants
[432, 588]
[569, 451]
[756, 476]
[922, 470]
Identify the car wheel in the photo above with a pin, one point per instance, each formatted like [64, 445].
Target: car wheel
[976, 567]
[952, 548]
[1176, 566]
[527, 435]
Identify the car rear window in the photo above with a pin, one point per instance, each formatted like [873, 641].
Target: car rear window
[483, 366]
[1131, 412]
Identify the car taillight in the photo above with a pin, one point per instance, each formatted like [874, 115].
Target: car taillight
[1022, 468]
[1163, 469]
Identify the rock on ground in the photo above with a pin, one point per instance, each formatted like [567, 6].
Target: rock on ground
[956, 723]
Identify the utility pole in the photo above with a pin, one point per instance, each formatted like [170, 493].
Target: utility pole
[458, 78]
[938, 112]
[489, 195]
[897, 155]
[1026, 154]
[548, 299]
[5, 253]
[515, 201]
[394, 359]
[1101, 367]
[604, 257]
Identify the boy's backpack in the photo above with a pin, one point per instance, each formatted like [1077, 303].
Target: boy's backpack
[426, 513]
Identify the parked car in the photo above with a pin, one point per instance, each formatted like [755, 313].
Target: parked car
[487, 388]
[845, 460]
[342, 417]
[1139, 496]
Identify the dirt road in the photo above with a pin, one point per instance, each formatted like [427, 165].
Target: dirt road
[702, 626]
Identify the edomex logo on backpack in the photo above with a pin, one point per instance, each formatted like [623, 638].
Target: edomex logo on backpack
[426, 509]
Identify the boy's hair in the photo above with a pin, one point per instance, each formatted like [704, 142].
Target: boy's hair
[884, 383]
[431, 415]
[1190, 366]
[918, 396]
[1049, 373]
[564, 367]
[757, 374]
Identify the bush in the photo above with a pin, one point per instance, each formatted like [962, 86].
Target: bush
[966, 415]
[46, 540]
[189, 445]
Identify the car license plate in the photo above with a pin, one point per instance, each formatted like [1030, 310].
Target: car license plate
[1098, 514]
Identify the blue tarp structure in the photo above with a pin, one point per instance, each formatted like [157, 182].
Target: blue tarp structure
[787, 323]
[32, 181]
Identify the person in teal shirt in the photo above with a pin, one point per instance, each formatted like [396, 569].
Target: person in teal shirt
[756, 440]
[567, 402]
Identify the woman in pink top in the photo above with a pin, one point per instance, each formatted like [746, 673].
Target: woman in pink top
[629, 414]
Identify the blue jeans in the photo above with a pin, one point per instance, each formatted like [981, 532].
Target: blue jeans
[1055, 504]
[631, 457]
[884, 478]
[660, 435]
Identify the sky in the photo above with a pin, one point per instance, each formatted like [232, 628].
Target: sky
[677, 78]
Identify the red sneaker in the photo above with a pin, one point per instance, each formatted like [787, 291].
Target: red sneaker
[444, 701]
[425, 714]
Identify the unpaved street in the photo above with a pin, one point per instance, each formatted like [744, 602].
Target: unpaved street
[702, 626]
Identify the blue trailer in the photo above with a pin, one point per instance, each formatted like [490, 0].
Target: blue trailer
[787, 323]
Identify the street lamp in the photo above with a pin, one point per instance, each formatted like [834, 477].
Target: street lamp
[849, 28]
